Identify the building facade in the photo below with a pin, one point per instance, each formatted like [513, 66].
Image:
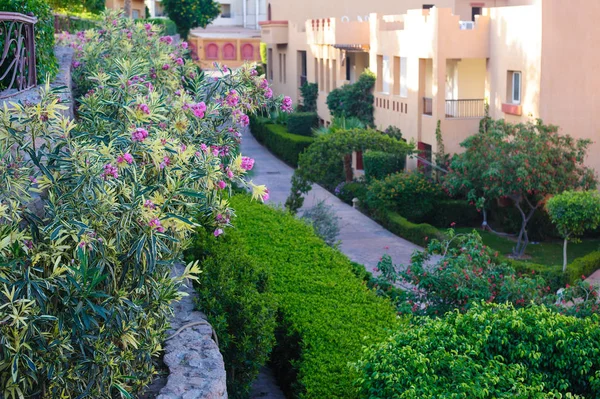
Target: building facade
[445, 60]
[138, 7]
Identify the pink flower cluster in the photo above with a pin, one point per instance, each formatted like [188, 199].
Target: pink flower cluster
[268, 93]
[232, 98]
[166, 162]
[222, 184]
[286, 104]
[199, 109]
[110, 171]
[247, 163]
[144, 108]
[139, 134]
[265, 196]
[149, 204]
[127, 157]
[166, 39]
[156, 225]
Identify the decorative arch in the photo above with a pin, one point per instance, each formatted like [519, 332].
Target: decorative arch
[247, 52]
[211, 51]
[229, 51]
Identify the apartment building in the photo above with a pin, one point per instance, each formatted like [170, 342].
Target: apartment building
[445, 60]
[138, 8]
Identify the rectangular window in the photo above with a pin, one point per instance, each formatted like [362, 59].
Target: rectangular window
[474, 12]
[334, 73]
[302, 67]
[348, 68]
[322, 74]
[514, 84]
[280, 68]
[400, 76]
[225, 10]
[387, 75]
[379, 81]
[428, 6]
[327, 76]
[135, 14]
[270, 64]
[284, 69]
[317, 72]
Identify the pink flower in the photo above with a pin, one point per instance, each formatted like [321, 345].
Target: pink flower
[268, 92]
[166, 67]
[215, 151]
[144, 108]
[253, 72]
[149, 204]
[247, 163]
[203, 147]
[230, 173]
[127, 157]
[218, 232]
[184, 45]
[155, 224]
[162, 125]
[265, 196]
[199, 109]
[286, 104]
[452, 224]
[110, 171]
[264, 84]
[166, 39]
[179, 61]
[232, 99]
[166, 162]
[76, 64]
[148, 26]
[139, 134]
[243, 120]
[222, 184]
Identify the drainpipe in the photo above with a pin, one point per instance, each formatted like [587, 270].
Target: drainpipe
[245, 11]
[256, 22]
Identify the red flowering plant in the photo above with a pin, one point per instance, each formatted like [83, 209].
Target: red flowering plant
[85, 280]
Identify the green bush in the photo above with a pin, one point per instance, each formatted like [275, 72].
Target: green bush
[354, 99]
[233, 292]
[553, 275]
[47, 65]
[409, 193]
[583, 266]
[419, 234]
[379, 164]
[310, 93]
[326, 313]
[348, 191]
[169, 27]
[67, 23]
[492, 351]
[286, 146]
[446, 212]
[191, 14]
[302, 123]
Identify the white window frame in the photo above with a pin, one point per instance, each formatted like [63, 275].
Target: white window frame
[516, 99]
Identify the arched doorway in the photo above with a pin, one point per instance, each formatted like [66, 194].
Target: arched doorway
[247, 52]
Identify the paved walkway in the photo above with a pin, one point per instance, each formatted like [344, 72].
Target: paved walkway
[363, 240]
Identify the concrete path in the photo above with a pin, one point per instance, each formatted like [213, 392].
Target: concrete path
[363, 240]
[265, 386]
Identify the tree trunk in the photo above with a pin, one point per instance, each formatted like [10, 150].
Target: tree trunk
[565, 254]
[127, 8]
[523, 239]
[348, 167]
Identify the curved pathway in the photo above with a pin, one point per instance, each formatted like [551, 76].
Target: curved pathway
[363, 240]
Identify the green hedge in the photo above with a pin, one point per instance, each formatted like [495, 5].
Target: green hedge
[302, 123]
[552, 274]
[233, 292]
[419, 234]
[379, 164]
[326, 313]
[67, 23]
[286, 146]
[446, 212]
[46, 62]
[583, 266]
[169, 27]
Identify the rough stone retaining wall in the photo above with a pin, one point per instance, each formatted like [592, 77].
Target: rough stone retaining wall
[196, 368]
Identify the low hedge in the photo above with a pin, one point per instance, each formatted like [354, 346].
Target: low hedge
[233, 292]
[302, 123]
[326, 313]
[169, 27]
[379, 164]
[71, 24]
[286, 146]
[553, 275]
[584, 266]
[446, 212]
[418, 234]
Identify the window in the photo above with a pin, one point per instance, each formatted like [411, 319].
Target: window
[135, 14]
[514, 87]
[284, 69]
[280, 67]
[428, 6]
[327, 76]
[303, 67]
[400, 77]
[384, 73]
[334, 71]
[229, 51]
[475, 11]
[348, 68]
[225, 10]
[317, 72]
[212, 51]
[270, 64]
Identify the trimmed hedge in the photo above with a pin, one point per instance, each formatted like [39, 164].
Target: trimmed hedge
[233, 292]
[169, 27]
[46, 62]
[326, 313]
[446, 212]
[553, 275]
[286, 146]
[379, 164]
[419, 234]
[583, 266]
[302, 123]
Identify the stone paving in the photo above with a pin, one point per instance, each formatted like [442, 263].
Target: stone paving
[363, 240]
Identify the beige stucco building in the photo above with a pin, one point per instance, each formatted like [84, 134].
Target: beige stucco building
[138, 7]
[444, 60]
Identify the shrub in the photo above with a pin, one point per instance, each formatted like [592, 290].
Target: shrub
[47, 65]
[394, 132]
[354, 99]
[348, 191]
[286, 146]
[419, 234]
[310, 93]
[326, 314]
[508, 219]
[553, 275]
[168, 27]
[191, 14]
[492, 351]
[302, 123]
[379, 164]
[448, 211]
[123, 189]
[67, 23]
[323, 219]
[583, 266]
[233, 292]
[410, 194]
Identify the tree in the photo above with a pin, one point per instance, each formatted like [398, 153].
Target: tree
[574, 212]
[522, 162]
[188, 14]
[354, 100]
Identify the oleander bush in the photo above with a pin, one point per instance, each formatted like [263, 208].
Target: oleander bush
[46, 62]
[94, 212]
[169, 27]
[492, 351]
[326, 314]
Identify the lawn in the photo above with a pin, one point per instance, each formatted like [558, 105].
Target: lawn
[545, 253]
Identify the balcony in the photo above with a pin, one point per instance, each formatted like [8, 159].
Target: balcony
[354, 35]
[470, 108]
[274, 32]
